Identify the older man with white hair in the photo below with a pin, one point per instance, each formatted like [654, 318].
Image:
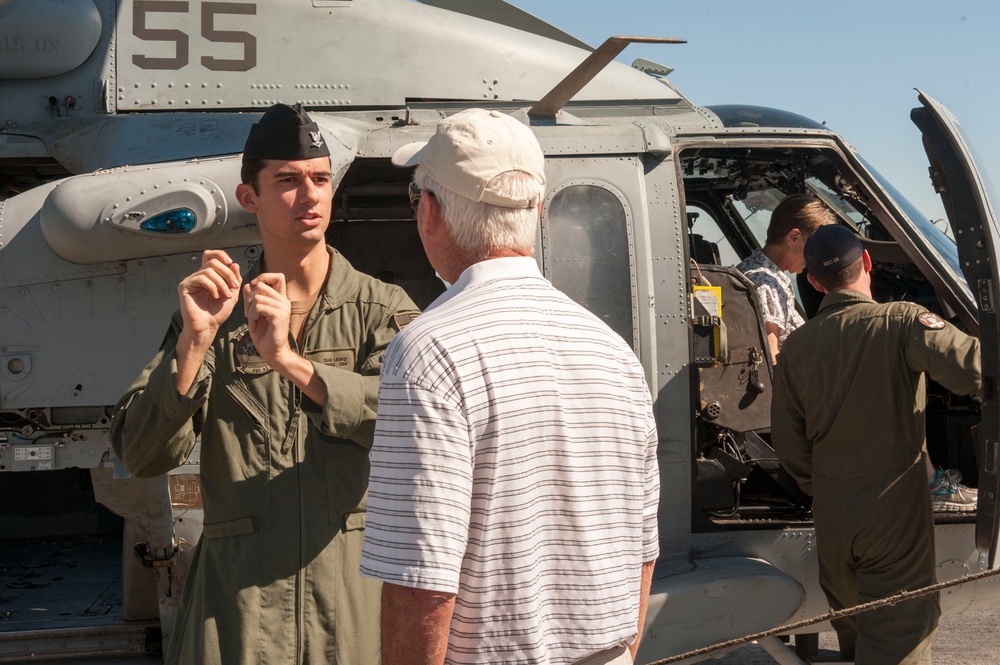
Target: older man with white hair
[514, 485]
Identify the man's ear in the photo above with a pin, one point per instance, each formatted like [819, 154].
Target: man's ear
[866, 260]
[815, 284]
[247, 197]
[433, 219]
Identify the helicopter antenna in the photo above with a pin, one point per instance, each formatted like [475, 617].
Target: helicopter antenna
[549, 105]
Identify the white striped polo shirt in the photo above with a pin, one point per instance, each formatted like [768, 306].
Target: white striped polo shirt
[514, 464]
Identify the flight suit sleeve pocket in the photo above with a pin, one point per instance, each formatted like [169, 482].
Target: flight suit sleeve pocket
[243, 526]
[355, 521]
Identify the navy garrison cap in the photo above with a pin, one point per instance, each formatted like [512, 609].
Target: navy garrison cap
[830, 249]
[286, 133]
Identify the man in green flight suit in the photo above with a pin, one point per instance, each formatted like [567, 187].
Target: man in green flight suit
[278, 373]
[847, 422]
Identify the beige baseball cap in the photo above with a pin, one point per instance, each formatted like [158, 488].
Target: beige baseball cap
[471, 148]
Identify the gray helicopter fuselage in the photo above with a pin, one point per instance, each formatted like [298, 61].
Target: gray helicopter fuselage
[121, 126]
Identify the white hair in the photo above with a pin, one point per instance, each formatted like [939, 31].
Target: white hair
[480, 228]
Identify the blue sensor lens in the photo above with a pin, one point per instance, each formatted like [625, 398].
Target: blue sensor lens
[181, 220]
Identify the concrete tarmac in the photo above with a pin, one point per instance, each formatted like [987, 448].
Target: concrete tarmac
[970, 638]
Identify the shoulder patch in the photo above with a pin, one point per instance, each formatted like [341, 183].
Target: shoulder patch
[404, 318]
[245, 355]
[931, 321]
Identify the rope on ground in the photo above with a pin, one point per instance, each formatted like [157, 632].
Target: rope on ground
[833, 614]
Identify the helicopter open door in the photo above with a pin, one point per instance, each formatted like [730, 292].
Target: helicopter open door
[968, 202]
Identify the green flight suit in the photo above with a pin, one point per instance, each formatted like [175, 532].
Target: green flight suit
[847, 422]
[283, 480]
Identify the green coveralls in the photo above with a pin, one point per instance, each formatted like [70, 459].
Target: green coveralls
[283, 480]
[847, 422]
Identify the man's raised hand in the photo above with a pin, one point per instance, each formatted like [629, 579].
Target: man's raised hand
[207, 296]
[207, 299]
[268, 312]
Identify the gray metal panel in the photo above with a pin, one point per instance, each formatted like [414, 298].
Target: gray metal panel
[118, 322]
[667, 241]
[373, 53]
[723, 598]
[83, 449]
[85, 146]
[67, 582]
[46, 38]
[79, 333]
[505, 13]
[607, 136]
[75, 93]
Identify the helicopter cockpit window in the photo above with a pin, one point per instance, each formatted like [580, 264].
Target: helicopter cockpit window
[756, 207]
[840, 206]
[740, 186]
[937, 239]
[708, 243]
[586, 252]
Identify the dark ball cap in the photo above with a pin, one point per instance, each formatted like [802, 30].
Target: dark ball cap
[285, 133]
[830, 249]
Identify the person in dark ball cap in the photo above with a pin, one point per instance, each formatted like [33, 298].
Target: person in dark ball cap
[277, 370]
[847, 422]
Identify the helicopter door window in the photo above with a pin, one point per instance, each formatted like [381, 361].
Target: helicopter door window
[587, 252]
[708, 243]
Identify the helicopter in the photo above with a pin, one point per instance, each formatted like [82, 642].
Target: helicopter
[121, 127]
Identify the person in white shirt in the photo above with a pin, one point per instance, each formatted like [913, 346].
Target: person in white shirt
[514, 483]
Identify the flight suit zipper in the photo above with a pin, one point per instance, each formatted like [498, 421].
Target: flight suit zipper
[286, 447]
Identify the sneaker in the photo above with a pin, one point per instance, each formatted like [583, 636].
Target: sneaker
[951, 497]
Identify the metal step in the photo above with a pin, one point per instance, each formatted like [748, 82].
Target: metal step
[140, 638]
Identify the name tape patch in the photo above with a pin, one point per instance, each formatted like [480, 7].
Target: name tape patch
[341, 358]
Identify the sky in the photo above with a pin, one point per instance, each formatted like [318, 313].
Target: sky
[852, 64]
